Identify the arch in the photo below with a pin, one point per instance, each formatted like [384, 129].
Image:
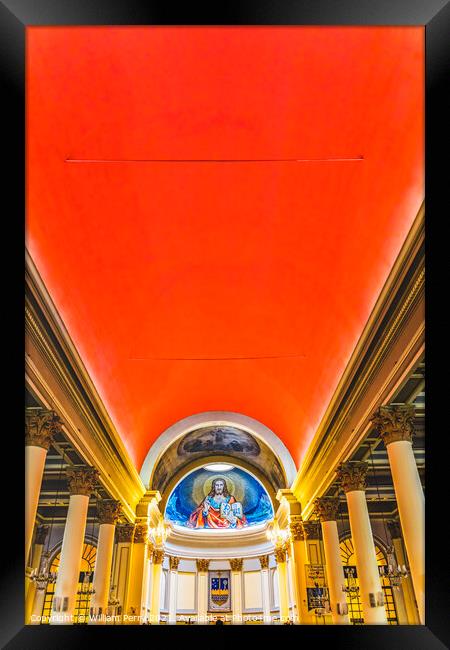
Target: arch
[218, 418]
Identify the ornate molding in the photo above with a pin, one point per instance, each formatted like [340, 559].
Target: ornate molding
[236, 564]
[280, 554]
[124, 533]
[108, 511]
[311, 529]
[158, 556]
[202, 566]
[395, 422]
[264, 561]
[296, 528]
[394, 528]
[140, 534]
[41, 534]
[82, 480]
[352, 475]
[41, 425]
[174, 562]
[327, 508]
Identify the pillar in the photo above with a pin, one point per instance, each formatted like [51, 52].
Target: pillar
[395, 425]
[173, 588]
[265, 588]
[352, 476]
[39, 541]
[108, 513]
[135, 606]
[202, 591]
[81, 484]
[283, 589]
[157, 562]
[327, 510]
[40, 427]
[299, 557]
[404, 599]
[236, 589]
[122, 565]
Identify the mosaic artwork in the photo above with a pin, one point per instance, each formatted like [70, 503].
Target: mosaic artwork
[232, 499]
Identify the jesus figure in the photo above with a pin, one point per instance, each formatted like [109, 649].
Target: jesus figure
[216, 511]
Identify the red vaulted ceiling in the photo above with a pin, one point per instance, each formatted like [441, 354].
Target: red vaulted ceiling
[167, 274]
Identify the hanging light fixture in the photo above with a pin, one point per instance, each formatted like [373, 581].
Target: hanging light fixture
[158, 534]
[278, 536]
[392, 571]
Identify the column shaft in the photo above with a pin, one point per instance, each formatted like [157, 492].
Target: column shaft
[366, 562]
[236, 596]
[173, 592]
[136, 606]
[102, 571]
[202, 596]
[335, 571]
[283, 591]
[412, 613]
[411, 508]
[69, 567]
[34, 470]
[155, 611]
[265, 589]
[300, 560]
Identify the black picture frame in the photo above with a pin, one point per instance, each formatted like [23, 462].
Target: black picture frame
[15, 17]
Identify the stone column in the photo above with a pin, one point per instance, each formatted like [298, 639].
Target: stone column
[352, 476]
[327, 510]
[38, 602]
[395, 425]
[135, 613]
[40, 428]
[173, 588]
[122, 564]
[265, 588]
[283, 588]
[39, 542]
[236, 589]
[405, 601]
[108, 513]
[81, 485]
[299, 557]
[202, 591]
[155, 611]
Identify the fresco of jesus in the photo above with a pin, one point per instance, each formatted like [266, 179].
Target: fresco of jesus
[216, 511]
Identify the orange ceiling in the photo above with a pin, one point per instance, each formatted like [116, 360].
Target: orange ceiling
[166, 274]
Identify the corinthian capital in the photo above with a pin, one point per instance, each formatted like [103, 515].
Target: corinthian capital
[296, 528]
[158, 556]
[352, 475]
[108, 511]
[140, 534]
[41, 426]
[202, 566]
[311, 529]
[236, 564]
[82, 480]
[264, 561]
[280, 554]
[327, 508]
[124, 534]
[174, 562]
[395, 422]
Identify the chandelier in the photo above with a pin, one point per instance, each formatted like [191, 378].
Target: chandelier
[158, 534]
[393, 571]
[43, 576]
[278, 536]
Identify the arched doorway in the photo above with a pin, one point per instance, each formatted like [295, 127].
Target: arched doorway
[83, 599]
[355, 610]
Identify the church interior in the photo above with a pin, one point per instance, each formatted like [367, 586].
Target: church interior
[224, 326]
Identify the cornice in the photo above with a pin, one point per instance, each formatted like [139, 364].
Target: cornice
[400, 298]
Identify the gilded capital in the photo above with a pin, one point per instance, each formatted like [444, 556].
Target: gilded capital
[236, 564]
[395, 422]
[174, 562]
[311, 529]
[352, 475]
[296, 528]
[158, 556]
[327, 508]
[264, 561]
[394, 529]
[140, 534]
[41, 534]
[40, 427]
[202, 566]
[280, 554]
[108, 511]
[124, 533]
[82, 480]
